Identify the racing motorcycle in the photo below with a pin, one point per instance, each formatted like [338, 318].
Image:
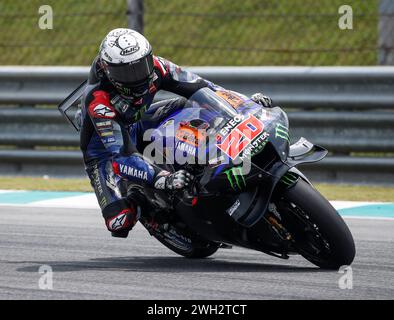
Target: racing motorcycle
[247, 190]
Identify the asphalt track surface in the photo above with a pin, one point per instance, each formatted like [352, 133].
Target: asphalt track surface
[88, 264]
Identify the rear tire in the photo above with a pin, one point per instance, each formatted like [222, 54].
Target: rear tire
[302, 197]
[203, 250]
[181, 242]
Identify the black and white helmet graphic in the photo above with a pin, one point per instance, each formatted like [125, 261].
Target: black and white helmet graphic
[124, 46]
[127, 59]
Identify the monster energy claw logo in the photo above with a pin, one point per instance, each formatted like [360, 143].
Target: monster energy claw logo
[236, 178]
[139, 113]
[281, 132]
[289, 178]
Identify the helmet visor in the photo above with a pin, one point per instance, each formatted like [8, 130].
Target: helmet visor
[131, 73]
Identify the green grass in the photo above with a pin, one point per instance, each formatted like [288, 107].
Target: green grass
[198, 32]
[356, 193]
[330, 191]
[45, 184]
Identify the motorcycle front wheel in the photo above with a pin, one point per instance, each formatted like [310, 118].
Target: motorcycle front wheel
[319, 233]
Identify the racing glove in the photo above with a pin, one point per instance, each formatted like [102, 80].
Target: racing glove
[173, 181]
[262, 99]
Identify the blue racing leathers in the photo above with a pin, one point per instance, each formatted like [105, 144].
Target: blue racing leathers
[109, 119]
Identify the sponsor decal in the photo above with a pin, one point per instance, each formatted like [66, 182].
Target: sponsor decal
[109, 140]
[105, 131]
[216, 161]
[256, 146]
[184, 147]
[102, 202]
[160, 183]
[178, 244]
[103, 111]
[281, 132]
[95, 177]
[120, 104]
[104, 124]
[187, 135]
[238, 134]
[289, 179]
[124, 108]
[230, 125]
[180, 236]
[119, 221]
[139, 113]
[178, 240]
[192, 132]
[133, 172]
[107, 134]
[127, 44]
[234, 100]
[235, 178]
[234, 207]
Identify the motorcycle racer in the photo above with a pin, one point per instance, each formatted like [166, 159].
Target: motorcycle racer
[123, 81]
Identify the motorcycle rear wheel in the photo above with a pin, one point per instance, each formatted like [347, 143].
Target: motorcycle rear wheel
[194, 253]
[186, 246]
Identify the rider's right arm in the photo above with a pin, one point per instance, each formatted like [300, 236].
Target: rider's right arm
[103, 117]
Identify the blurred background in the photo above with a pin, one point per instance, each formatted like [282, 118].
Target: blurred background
[199, 32]
[336, 84]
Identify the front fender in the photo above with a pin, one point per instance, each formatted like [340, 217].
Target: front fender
[302, 151]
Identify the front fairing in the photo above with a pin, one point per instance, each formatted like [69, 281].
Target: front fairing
[210, 121]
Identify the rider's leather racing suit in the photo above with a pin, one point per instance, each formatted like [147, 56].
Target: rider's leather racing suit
[104, 113]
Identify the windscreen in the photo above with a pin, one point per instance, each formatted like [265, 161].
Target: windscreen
[215, 106]
[238, 127]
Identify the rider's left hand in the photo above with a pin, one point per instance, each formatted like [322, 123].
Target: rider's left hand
[262, 99]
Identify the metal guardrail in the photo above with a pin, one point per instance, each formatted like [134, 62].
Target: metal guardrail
[299, 87]
[348, 110]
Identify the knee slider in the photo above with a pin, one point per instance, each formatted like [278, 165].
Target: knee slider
[120, 216]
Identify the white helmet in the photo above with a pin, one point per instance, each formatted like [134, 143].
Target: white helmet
[127, 59]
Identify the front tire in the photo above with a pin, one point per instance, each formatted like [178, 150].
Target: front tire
[320, 234]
